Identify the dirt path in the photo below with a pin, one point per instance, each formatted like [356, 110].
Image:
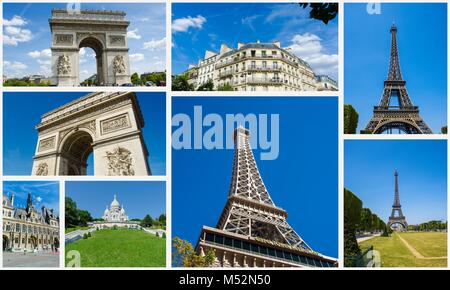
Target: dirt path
[416, 253]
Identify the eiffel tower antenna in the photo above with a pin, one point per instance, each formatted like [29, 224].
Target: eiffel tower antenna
[252, 231]
[397, 217]
[402, 116]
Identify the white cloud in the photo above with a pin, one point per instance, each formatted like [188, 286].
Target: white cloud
[183, 24]
[40, 54]
[15, 21]
[14, 65]
[136, 57]
[308, 47]
[133, 34]
[155, 44]
[13, 34]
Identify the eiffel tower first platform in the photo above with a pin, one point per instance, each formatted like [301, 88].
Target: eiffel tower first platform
[402, 115]
[397, 217]
[252, 231]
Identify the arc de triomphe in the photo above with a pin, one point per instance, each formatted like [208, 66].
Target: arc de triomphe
[103, 31]
[106, 124]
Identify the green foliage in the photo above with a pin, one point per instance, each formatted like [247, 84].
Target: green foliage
[352, 218]
[352, 207]
[208, 86]
[135, 79]
[366, 220]
[147, 222]
[225, 87]
[444, 130]
[324, 12]
[157, 234]
[24, 83]
[75, 217]
[180, 83]
[351, 118]
[429, 226]
[164, 235]
[89, 234]
[184, 255]
[120, 248]
[85, 236]
[158, 78]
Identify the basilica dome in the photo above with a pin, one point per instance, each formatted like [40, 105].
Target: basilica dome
[115, 203]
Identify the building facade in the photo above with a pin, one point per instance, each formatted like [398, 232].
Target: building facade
[115, 216]
[115, 212]
[257, 67]
[28, 229]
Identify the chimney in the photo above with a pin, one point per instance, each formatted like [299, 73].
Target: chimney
[240, 44]
[277, 43]
[12, 199]
[258, 41]
[224, 48]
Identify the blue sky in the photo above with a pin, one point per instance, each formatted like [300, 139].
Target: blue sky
[422, 45]
[422, 176]
[27, 38]
[139, 198]
[302, 180]
[199, 27]
[44, 193]
[20, 135]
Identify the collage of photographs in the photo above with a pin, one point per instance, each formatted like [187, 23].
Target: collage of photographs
[154, 134]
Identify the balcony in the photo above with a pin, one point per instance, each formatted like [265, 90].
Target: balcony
[263, 68]
[226, 74]
[264, 81]
[221, 64]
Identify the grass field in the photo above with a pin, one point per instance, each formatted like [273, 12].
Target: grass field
[394, 253]
[69, 230]
[428, 244]
[120, 248]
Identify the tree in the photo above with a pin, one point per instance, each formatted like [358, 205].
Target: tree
[147, 222]
[366, 219]
[352, 218]
[71, 216]
[135, 79]
[162, 219]
[84, 217]
[184, 255]
[322, 11]
[350, 119]
[225, 87]
[180, 83]
[208, 86]
[444, 130]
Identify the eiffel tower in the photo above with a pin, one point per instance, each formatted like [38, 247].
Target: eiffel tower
[252, 231]
[403, 116]
[397, 216]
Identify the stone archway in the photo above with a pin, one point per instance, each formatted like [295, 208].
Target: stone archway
[103, 31]
[107, 125]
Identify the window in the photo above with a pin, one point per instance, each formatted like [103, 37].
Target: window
[253, 52]
[263, 53]
[253, 66]
[275, 64]
[264, 64]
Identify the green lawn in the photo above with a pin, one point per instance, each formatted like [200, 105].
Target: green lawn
[430, 244]
[120, 248]
[395, 254]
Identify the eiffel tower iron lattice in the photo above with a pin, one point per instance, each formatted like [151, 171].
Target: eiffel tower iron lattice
[252, 231]
[403, 116]
[397, 217]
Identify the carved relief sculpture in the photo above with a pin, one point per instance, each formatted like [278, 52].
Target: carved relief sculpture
[42, 169]
[120, 162]
[63, 65]
[119, 65]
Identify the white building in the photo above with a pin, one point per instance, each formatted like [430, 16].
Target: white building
[257, 67]
[115, 212]
[115, 216]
